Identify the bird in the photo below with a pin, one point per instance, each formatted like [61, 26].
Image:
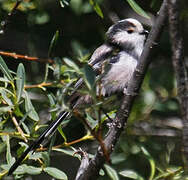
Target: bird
[119, 55]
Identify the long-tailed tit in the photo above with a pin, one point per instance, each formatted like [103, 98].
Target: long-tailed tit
[121, 52]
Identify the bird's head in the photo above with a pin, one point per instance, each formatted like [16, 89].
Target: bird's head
[127, 32]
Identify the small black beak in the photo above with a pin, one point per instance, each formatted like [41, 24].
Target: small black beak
[144, 32]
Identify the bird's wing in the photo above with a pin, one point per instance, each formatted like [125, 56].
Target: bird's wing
[102, 53]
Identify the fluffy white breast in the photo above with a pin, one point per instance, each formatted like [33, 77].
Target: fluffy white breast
[120, 73]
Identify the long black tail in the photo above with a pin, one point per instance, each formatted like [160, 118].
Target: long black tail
[50, 130]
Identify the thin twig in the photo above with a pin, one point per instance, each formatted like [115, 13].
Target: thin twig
[19, 129]
[67, 144]
[92, 170]
[179, 68]
[25, 57]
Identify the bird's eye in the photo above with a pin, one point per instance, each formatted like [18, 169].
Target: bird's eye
[130, 31]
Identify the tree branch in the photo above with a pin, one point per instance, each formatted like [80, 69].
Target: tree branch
[92, 170]
[179, 68]
[25, 57]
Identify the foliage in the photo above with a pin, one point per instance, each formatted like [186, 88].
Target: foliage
[28, 89]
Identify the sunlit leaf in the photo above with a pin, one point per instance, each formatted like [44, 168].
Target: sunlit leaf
[4, 80]
[33, 170]
[45, 158]
[62, 133]
[53, 42]
[131, 174]
[5, 70]
[64, 3]
[5, 109]
[56, 173]
[96, 8]
[137, 8]
[111, 172]
[151, 161]
[20, 80]
[71, 64]
[29, 107]
[9, 157]
[5, 97]
[68, 152]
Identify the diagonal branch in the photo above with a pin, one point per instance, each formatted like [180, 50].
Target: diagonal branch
[92, 170]
[179, 68]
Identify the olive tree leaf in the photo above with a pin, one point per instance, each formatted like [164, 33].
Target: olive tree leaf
[20, 80]
[29, 107]
[5, 70]
[56, 173]
[137, 9]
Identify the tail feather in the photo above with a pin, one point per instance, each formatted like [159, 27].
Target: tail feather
[50, 130]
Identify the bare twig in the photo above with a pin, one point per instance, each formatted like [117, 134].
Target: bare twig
[179, 68]
[19, 128]
[25, 57]
[92, 170]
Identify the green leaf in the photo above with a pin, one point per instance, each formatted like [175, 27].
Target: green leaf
[53, 42]
[33, 170]
[67, 152]
[137, 8]
[93, 123]
[4, 80]
[26, 129]
[111, 172]
[62, 133]
[64, 3]
[20, 80]
[56, 173]
[5, 98]
[151, 161]
[5, 70]
[5, 109]
[29, 107]
[89, 76]
[96, 8]
[71, 64]
[9, 157]
[131, 174]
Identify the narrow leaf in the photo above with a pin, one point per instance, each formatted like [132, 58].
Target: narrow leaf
[5, 70]
[131, 174]
[20, 80]
[53, 42]
[151, 161]
[8, 153]
[71, 64]
[64, 3]
[111, 172]
[96, 8]
[137, 9]
[56, 173]
[4, 80]
[29, 107]
[5, 97]
[5, 109]
[62, 133]
[89, 76]
[33, 170]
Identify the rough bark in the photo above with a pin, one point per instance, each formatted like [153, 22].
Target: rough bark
[179, 68]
